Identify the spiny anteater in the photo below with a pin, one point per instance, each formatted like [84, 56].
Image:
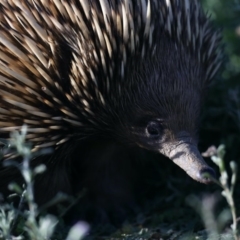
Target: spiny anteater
[106, 74]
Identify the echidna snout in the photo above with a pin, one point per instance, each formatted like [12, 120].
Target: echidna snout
[187, 156]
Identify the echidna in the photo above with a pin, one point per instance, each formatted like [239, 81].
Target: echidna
[106, 74]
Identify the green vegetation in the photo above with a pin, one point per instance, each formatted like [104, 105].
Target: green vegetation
[30, 224]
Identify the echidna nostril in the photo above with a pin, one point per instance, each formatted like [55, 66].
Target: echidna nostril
[207, 175]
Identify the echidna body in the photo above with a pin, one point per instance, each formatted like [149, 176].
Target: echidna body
[132, 72]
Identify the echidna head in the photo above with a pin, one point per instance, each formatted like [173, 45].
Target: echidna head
[164, 106]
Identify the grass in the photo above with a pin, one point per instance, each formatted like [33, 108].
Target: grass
[33, 225]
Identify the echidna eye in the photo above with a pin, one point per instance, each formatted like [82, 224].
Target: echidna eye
[154, 128]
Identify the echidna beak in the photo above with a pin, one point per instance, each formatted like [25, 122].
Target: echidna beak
[187, 157]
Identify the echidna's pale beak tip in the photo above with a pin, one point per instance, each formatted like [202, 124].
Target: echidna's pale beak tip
[207, 175]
